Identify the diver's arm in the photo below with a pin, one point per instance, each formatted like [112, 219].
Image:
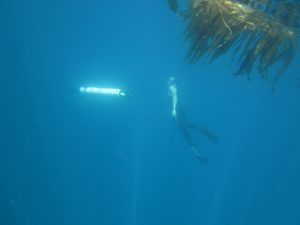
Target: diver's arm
[173, 92]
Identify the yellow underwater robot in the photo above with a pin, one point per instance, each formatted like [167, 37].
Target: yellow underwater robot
[258, 33]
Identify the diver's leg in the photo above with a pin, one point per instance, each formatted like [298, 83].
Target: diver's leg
[186, 135]
[205, 131]
[192, 147]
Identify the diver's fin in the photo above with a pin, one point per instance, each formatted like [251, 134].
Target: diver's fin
[199, 156]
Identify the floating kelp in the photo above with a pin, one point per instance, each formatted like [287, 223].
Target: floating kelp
[260, 33]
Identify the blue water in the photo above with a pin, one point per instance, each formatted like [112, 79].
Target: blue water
[72, 159]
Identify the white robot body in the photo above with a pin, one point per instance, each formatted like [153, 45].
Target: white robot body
[102, 91]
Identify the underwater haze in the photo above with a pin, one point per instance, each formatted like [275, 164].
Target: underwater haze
[68, 158]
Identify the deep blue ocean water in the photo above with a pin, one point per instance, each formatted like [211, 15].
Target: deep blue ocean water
[73, 159]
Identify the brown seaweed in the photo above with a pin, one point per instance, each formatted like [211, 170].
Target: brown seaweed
[260, 33]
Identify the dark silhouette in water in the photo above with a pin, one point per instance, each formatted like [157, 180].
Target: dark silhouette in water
[185, 127]
[173, 4]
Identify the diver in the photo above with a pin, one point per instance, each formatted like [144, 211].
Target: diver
[184, 126]
[105, 91]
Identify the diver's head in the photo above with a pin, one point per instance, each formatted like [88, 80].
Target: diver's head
[171, 80]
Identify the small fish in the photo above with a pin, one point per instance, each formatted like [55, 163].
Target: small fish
[173, 4]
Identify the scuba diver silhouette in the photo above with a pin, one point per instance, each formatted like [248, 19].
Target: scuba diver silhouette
[184, 126]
